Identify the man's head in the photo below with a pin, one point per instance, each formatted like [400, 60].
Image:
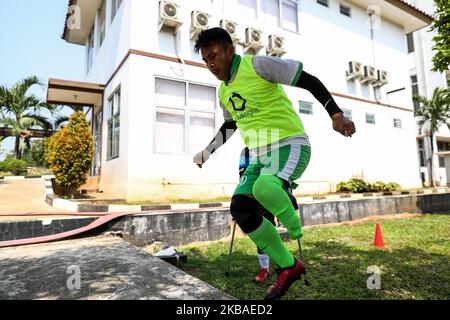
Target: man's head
[217, 50]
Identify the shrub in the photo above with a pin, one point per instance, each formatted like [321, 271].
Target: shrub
[353, 185]
[16, 167]
[69, 154]
[393, 186]
[360, 186]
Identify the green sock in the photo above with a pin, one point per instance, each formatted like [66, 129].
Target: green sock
[268, 190]
[268, 240]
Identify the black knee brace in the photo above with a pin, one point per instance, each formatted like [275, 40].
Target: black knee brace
[293, 200]
[245, 212]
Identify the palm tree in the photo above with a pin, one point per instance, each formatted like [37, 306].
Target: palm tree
[19, 112]
[435, 112]
[61, 120]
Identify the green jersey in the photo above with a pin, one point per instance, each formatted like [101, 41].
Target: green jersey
[261, 109]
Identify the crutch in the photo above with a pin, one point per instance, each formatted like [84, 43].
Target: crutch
[301, 258]
[227, 273]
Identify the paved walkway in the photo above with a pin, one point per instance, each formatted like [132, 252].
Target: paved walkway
[26, 195]
[104, 268]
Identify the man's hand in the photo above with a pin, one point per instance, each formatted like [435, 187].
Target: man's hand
[201, 157]
[343, 125]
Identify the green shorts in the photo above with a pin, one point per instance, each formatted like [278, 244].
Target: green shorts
[287, 162]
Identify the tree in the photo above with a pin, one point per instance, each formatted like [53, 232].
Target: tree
[24, 109]
[35, 155]
[61, 120]
[435, 112]
[69, 154]
[441, 25]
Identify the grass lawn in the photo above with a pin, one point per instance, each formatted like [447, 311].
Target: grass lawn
[415, 263]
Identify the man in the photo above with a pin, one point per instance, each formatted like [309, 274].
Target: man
[263, 259]
[254, 101]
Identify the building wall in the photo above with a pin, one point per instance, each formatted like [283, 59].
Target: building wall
[326, 41]
[114, 172]
[428, 81]
[115, 46]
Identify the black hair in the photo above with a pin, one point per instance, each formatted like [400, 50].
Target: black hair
[213, 35]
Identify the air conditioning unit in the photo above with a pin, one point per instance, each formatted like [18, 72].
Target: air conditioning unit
[354, 70]
[231, 28]
[275, 46]
[368, 75]
[253, 40]
[199, 22]
[169, 15]
[382, 78]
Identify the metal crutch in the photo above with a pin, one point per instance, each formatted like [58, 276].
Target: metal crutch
[301, 258]
[227, 273]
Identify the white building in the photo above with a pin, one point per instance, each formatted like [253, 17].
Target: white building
[423, 82]
[154, 104]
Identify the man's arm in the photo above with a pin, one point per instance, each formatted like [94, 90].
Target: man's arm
[225, 132]
[341, 124]
[290, 72]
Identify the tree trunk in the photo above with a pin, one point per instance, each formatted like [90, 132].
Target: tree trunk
[17, 148]
[431, 160]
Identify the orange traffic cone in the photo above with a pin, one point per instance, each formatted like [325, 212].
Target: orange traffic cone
[378, 237]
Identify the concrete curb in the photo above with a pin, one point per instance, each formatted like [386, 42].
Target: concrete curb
[78, 206]
[179, 227]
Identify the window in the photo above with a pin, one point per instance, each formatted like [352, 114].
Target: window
[370, 118]
[289, 15]
[115, 8]
[271, 12]
[101, 23]
[185, 116]
[348, 114]
[323, 2]
[305, 107]
[410, 42]
[113, 125]
[397, 123]
[442, 146]
[345, 10]
[248, 8]
[90, 50]
[415, 92]
[421, 152]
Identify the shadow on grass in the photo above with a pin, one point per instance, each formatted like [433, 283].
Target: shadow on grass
[335, 269]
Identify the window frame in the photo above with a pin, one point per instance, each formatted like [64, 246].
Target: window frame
[414, 84]
[99, 27]
[398, 121]
[115, 7]
[90, 50]
[110, 155]
[349, 113]
[421, 150]
[297, 5]
[410, 42]
[187, 113]
[346, 6]
[374, 118]
[327, 5]
[308, 103]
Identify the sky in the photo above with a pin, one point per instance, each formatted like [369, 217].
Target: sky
[31, 44]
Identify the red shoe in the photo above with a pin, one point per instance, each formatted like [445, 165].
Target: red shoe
[262, 275]
[286, 277]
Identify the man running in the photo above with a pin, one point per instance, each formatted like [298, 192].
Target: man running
[263, 259]
[252, 99]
